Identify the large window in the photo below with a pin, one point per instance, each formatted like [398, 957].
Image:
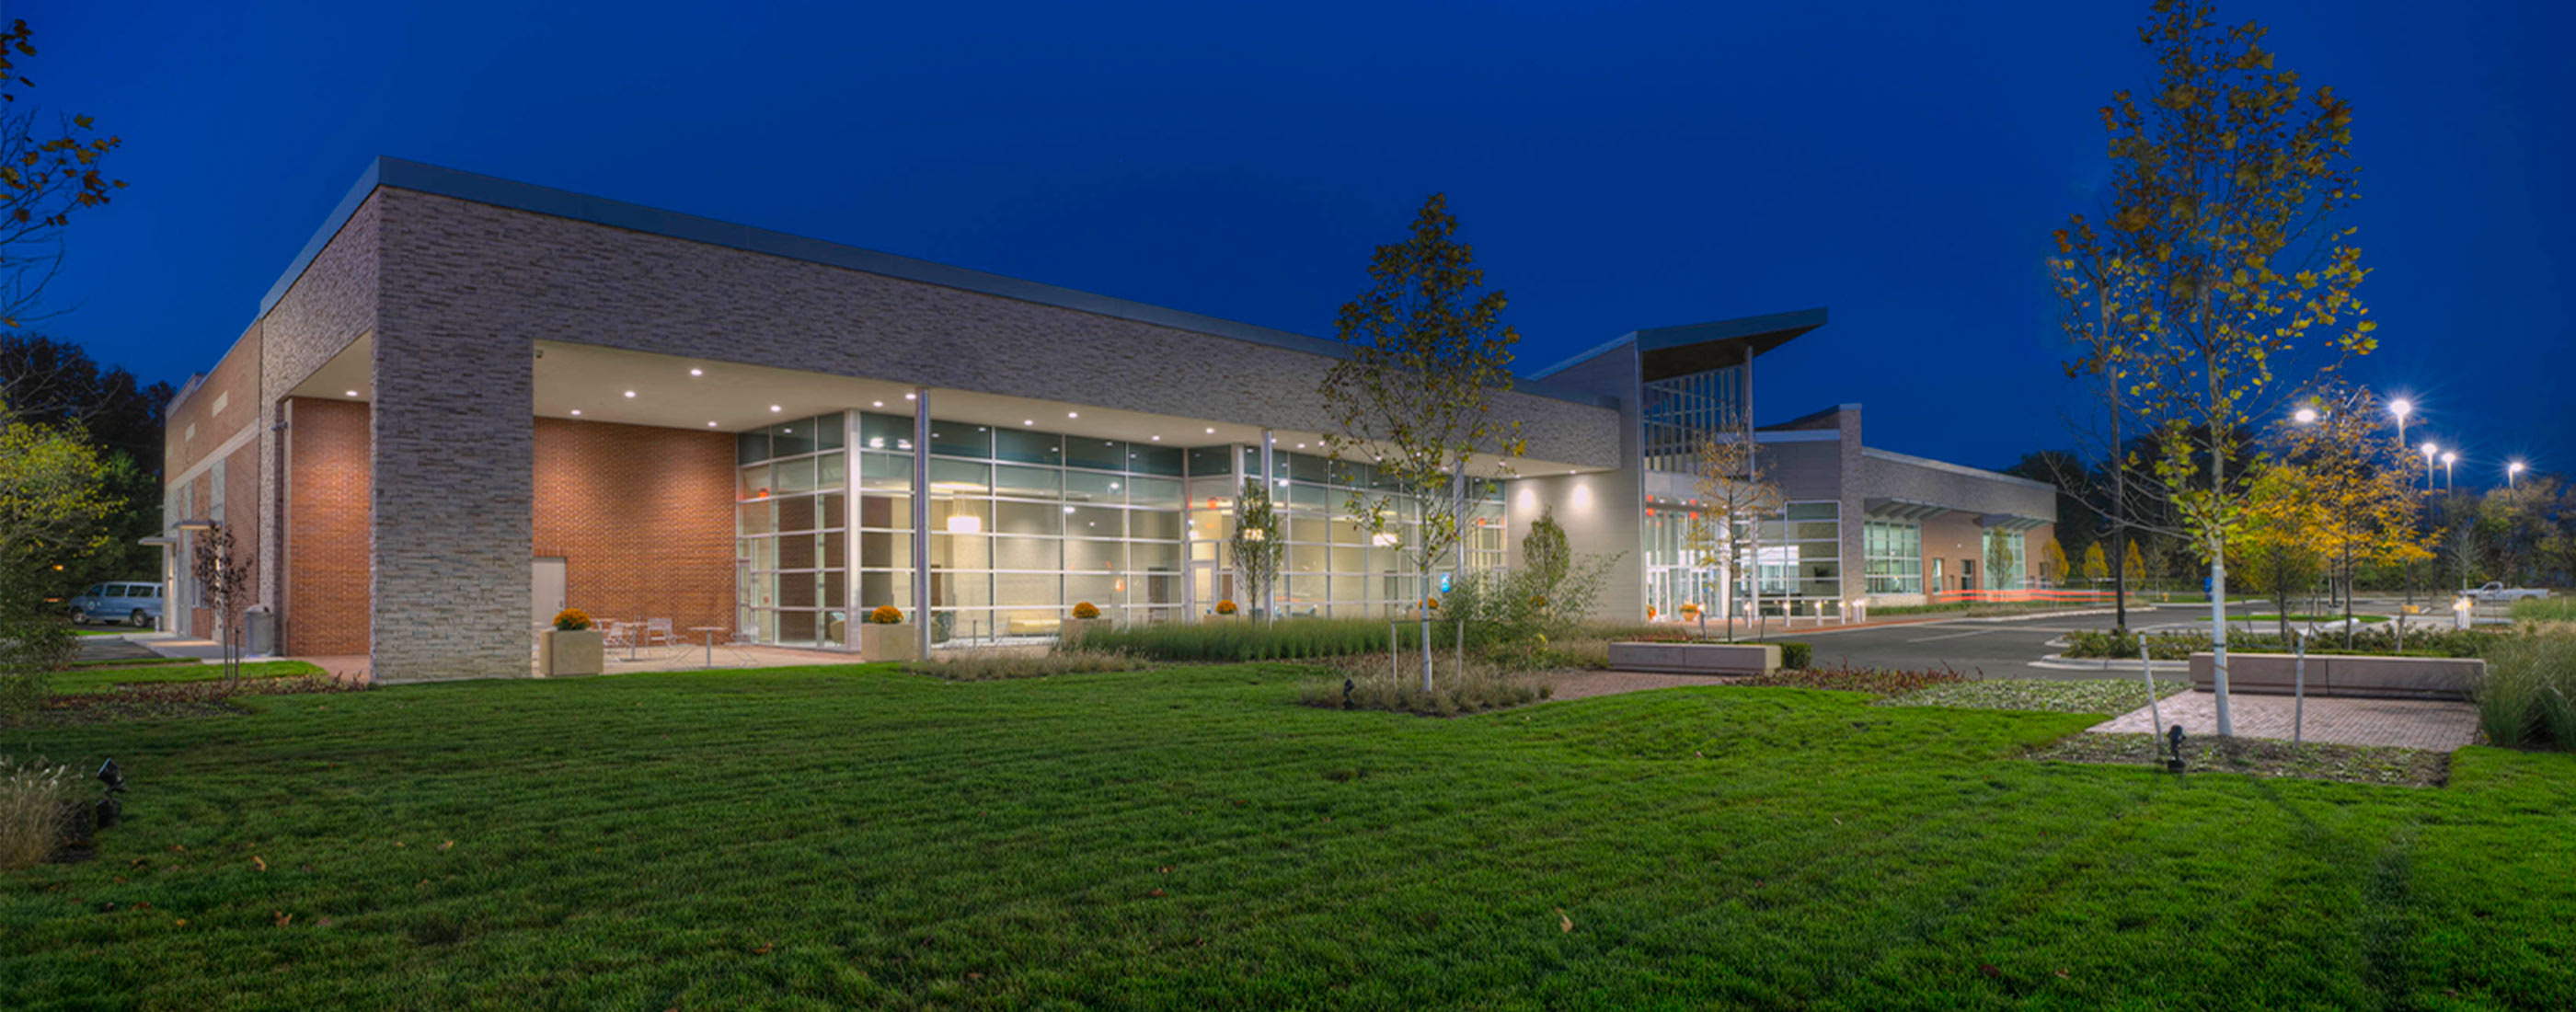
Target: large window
[1802, 555]
[1893, 554]
[2003, 560]
[791, 532]
[1679, 411]
[1333, 565]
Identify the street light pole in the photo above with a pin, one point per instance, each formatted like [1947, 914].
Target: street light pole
[2448, 458]
[2510, 470]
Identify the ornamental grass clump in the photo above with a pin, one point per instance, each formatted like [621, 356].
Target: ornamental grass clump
[987, 665]
[2528, 696]
[1287, 639]
[35, 807]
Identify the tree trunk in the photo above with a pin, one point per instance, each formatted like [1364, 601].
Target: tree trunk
[2119, 497]
[2217, 548]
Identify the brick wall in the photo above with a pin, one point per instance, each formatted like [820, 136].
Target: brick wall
[642, 517]
[326, 533]
[194, 428]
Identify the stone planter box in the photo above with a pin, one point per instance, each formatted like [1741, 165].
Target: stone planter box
[563, 654]
[1696, 658]
[900, 641]
[1069, 630]
[2345, 675]
[1214, 617]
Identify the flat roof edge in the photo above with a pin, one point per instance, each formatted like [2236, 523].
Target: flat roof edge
[1943, 465]
[482, 189]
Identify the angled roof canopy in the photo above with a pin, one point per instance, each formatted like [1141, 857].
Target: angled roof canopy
[1699, 347]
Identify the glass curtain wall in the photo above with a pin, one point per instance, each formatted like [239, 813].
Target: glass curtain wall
[1802, 556]
[1893, 554]
[1023, 526]
[1333, 564]
[1679, 410]
[791, 537]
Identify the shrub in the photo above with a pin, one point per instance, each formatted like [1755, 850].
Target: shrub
[886, 614]
[1086, 610]
[985, 665]
[2175, 646]
[35, 802]
[1794, 656]
[571, 620]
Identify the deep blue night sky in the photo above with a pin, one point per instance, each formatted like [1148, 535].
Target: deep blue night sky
[1616, 165]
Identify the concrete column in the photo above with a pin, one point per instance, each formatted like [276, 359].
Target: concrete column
[921, 516]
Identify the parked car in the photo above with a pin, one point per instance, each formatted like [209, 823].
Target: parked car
[2494, 592]
[135, 604]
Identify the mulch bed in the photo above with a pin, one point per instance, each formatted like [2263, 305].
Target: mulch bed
[168, 700]
[2262, 757]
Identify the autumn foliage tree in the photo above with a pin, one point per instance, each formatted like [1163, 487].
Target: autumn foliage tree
[1733, 497]
[1429, 353]
[50, 166]
[2228, 178]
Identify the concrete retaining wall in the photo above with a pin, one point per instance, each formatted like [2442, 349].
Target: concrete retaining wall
[2345, 675]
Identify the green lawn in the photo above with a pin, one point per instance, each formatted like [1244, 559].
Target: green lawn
[102, 678]
[1190, 838]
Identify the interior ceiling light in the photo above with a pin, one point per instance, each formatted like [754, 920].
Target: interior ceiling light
[1211, 432]
[353, 393]
[774, 409]
[1158, 439]
[711, 425]
[697, 372]
[1028, 421]
[910, 396]
[576, 411]
[630, 393]
[1073, 414]
[880, 404]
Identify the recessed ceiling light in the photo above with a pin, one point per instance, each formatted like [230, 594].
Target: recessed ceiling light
[774, 409]
[1301, 446]
[576, 411]
[1210, 431]
[697, 372]
[910, 396]
[711, 425]
[630, 393]
[880, 404]
[1158, 439]
[1073, 414]
[353, 393]
[1028, 421]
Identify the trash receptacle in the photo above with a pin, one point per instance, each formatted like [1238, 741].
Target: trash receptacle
[259, 630]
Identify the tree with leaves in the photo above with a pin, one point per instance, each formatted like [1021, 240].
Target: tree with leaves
[2365, 508]
[1734, 499]
[2096, 566]
[2052, 561]
[1546, 554]
[1256, 545]
[50, 167]
[54, 504]
[226, 574]
[1429, 354]
[2227, 179]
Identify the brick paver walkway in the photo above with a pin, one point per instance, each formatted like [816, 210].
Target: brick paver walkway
[2411, 723]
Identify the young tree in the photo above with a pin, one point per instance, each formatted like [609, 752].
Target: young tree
[1256, 544]
[2096, 567]
[1546, 553]
[2277, 544]
[228, 578]
[49, 168]
[2229, 177]
[2362, 505]
[1727, 479]
[1429, 354]
[2052, 561]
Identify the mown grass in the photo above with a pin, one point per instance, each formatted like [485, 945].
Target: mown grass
[1191, 838]
[101, 679]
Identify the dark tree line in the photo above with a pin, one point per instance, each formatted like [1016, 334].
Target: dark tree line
[54, 383]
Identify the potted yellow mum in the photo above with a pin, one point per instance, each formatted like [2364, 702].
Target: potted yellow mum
[572, 647]
[1086, 617]
[887, 637]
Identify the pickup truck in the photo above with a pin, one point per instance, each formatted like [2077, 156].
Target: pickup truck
[2494, 592]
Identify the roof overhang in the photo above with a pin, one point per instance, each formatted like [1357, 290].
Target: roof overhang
[1699, 347]
[1902, 510]
[2010, 523]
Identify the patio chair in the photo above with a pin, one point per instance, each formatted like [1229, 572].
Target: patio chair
[658, 635]
[617, 636]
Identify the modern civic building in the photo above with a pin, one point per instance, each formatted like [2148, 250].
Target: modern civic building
[470, 402]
